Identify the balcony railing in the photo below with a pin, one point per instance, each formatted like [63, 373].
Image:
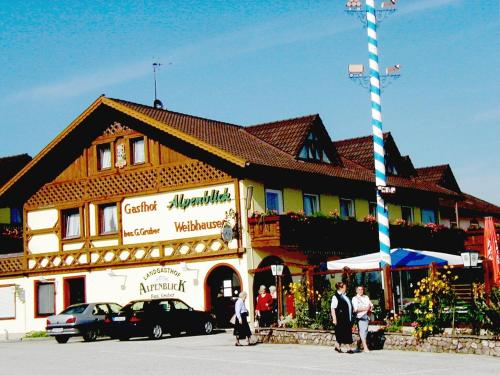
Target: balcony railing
[331, 236]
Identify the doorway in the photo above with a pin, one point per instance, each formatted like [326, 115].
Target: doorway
[74, 290]
[222, 287]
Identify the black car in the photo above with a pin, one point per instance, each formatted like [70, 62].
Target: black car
[153, 318]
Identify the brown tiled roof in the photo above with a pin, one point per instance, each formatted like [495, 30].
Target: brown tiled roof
[473, 206]
[358, 149]
[245, 144]
[10, 165]
[287, 135]
[441, 175]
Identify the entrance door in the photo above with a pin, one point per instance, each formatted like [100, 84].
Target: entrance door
[74, 290]
[222, 288]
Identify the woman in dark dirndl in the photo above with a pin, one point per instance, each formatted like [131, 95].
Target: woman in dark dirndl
[342, 316]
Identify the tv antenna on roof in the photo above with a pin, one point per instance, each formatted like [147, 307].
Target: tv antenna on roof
[157, 102]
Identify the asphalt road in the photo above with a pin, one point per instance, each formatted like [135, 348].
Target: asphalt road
[216, 354]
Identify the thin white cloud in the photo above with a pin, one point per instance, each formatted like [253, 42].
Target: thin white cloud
[293, 28]
[489, 115]
[424, 5]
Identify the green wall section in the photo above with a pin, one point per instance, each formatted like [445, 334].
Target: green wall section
[329, 203]
[5, 215]
[362, 208]
[293, 200]
[417, 215]
[394, 212]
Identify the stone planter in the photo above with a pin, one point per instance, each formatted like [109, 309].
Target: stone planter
[393, 341]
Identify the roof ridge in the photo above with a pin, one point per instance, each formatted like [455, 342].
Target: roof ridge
[14, 156]
[355, 138]
[267, 143]
[433, 166]
[178, 113]
[277, 122]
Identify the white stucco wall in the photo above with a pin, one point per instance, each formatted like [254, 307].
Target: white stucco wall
[121, 286]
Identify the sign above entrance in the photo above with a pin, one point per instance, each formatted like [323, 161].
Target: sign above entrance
[176, 215]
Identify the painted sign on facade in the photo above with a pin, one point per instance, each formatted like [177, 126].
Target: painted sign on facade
[175, 215]
[163, 282]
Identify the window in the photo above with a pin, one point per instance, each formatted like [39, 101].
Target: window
[7, 302]
[390, 167]
[407, 214]
[71, 224]
[372, 207]
[311, 204]
[45, 302]
[312, 149]
[347, 208]
[104, 156]
[108, 219]
[429, 216]
[164, 305]
[115, 308]
[137, 151]
[179, 305]
[16, 216]
[274, 201]
[100, 309]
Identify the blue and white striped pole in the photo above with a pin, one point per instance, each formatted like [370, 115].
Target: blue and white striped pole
[378, 138]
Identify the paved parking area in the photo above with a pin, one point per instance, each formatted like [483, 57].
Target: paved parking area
[216, 354]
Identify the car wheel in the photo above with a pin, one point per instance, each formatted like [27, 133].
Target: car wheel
[62, 339]
[90, 335]
[123, 338]
[156, 331]
[208, 327]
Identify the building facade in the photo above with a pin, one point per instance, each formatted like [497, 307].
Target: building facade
[131, 202]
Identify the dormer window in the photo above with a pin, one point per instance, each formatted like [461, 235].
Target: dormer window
[390, 168]
[313, 150]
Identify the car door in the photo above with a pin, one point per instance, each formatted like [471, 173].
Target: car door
[183, 315]
[99, 313]
[165, 314]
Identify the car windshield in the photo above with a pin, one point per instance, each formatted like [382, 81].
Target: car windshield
[77, 309]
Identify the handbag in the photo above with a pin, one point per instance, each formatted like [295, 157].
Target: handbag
[233, 319]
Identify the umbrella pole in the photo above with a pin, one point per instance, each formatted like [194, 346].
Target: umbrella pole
[388, 296]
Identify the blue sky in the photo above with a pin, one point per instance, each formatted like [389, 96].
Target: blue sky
[247, 62]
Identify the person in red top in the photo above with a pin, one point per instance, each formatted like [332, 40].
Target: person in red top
[263, 309]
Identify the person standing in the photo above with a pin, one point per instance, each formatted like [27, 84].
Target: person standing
[274, 311]
[362, 306]
[241, 327]
[264, 307]
[341, 309]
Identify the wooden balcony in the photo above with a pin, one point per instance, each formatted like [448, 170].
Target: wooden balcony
[327, 236]
[475, 240]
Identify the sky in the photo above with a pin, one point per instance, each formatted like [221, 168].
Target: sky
[249, 62]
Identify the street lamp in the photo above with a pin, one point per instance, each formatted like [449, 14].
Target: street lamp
[277, 271]
[470, 258]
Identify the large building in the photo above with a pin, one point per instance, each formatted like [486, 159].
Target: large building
[132, 201]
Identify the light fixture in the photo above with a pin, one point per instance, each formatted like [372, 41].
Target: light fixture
[248, 201]
[389, 4]
[353, 4]
[277, 269]
[392, 70]
[470, 258]
[356, 70]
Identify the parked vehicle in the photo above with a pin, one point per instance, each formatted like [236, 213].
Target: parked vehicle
[89, 320]
[153, 318]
